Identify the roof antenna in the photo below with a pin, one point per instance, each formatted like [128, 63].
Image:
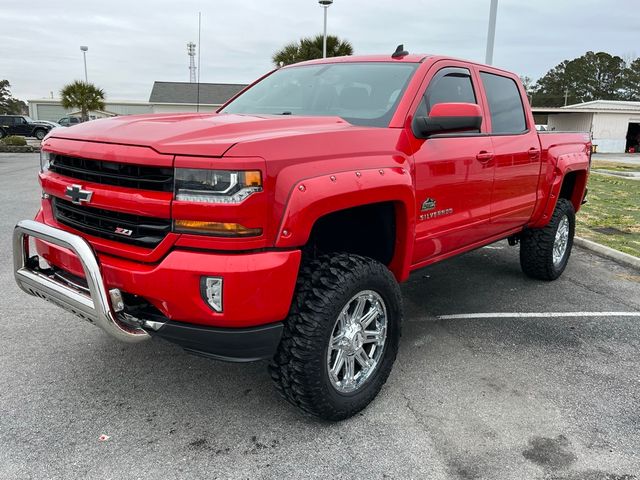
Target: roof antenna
[400, 52]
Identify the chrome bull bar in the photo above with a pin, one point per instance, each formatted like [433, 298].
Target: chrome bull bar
[95, 306]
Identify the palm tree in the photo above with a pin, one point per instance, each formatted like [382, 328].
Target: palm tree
[84, 96]
[310, 48]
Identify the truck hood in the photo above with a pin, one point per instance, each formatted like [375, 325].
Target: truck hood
[196, 134]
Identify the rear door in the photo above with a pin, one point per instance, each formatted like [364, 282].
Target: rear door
[8, 125]
[516, 151]
[453, 172]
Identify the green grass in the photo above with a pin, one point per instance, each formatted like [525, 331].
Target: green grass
[615, 166]
[612, 203]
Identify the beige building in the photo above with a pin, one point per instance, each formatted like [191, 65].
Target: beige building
[614, 125]
[166, 97]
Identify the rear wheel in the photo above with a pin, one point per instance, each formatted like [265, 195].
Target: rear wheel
[2, 134]
[341, 337]
[544, 252]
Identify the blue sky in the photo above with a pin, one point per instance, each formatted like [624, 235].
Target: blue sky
[134, 42]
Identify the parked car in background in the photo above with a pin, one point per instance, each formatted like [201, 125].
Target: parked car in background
[68, 121]
[22, 125]
[53, 124]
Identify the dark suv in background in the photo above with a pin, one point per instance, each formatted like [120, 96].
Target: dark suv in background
[69, 121]
[23, 126]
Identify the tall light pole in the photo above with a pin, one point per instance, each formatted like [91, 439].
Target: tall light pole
[84, 49]
[491, 33]
[325, 4]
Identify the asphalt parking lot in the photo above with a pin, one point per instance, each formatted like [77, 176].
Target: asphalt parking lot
[469, 398]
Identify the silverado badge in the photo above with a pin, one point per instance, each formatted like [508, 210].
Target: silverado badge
[77, 194]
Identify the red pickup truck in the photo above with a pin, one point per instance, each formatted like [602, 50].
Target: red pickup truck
[279, 227]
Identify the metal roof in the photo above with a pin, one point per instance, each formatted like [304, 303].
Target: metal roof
[187, 93]
[595, 106]
[606, 105]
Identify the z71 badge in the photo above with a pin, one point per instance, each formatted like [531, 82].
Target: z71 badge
[123, 231]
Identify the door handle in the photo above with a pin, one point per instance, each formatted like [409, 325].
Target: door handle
[534, 152]
[484, 156]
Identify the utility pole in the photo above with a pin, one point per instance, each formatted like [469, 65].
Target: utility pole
[84, 49]
[491, 33]
[566, 96]
[325, 4]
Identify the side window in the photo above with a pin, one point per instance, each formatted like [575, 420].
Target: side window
[505, 104]
[8, 121]
[449, 85]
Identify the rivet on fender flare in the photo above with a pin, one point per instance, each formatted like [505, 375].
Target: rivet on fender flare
[302, 188]
[381, 172]
[358, 174]
[333, 178]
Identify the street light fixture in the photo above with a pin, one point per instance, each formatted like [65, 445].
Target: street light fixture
[84, 49]
[325, 4]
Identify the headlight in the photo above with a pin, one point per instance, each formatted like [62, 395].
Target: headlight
[45, 160]
[216, 186]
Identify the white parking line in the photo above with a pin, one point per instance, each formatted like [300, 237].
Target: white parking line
[537, 315]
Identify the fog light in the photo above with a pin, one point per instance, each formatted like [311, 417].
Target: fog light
[211, 291]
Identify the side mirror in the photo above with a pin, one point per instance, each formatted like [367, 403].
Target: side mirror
[447, 118]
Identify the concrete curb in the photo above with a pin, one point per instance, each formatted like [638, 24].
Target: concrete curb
[607, 252]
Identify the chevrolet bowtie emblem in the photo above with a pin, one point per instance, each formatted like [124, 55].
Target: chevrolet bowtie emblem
[77, 194]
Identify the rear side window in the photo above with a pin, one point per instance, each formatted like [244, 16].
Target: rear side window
[449, 85]
[505, 104]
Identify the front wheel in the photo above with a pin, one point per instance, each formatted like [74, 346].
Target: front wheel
[341, 337]
[544, 252]
[40, 134]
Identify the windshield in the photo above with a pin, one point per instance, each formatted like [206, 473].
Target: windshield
[28, 119]
[361, 93]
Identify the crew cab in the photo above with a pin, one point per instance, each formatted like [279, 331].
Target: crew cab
[23, 126]
[279, 227]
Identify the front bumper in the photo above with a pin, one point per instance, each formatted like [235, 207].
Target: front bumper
[258, 288]
[94, 306]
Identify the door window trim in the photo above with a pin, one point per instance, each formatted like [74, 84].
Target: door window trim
[486, 97]
[477, 91]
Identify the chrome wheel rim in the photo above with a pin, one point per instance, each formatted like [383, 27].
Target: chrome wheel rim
[561, 241]
[357, 341]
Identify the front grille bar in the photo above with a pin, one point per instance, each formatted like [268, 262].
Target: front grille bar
[145, 231]
[128, 175]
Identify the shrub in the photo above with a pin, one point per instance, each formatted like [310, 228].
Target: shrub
[14, 140]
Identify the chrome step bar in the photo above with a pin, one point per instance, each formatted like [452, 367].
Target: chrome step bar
[94, 307]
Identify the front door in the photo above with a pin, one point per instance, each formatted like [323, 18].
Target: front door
[21, 127]
[453, 174]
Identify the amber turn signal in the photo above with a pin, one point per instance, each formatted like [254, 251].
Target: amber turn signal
[222, 229]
